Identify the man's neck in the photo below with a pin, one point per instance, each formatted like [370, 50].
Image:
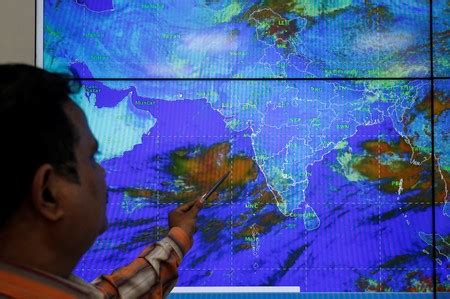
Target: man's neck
[33, 251]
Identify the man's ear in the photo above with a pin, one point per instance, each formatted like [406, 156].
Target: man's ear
[44, 193]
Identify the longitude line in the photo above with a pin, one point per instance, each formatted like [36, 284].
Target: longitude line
[433, 191]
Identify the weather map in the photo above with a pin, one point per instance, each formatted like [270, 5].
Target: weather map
[331, 179]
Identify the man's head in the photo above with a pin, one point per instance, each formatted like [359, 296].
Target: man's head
[51, 181]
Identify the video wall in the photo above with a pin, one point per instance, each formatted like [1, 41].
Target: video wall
[332, 116]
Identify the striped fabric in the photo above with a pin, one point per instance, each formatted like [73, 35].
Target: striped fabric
[152, 275]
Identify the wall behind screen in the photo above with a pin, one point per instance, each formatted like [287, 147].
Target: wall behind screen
[17, 24]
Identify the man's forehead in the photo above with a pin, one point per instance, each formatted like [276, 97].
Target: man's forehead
[79, 121]
[95, 144]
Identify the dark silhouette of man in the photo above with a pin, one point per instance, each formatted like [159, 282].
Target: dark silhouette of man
[54, 199]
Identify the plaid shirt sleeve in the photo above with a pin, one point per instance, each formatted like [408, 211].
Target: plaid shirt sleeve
[153, 274]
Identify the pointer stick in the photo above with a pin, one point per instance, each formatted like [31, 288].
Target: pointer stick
[214, 188]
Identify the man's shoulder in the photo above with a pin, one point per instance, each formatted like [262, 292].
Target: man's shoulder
[17, 281]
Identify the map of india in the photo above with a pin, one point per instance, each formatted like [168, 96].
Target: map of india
[322, 111]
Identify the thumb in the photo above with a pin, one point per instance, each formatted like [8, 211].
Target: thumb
[199, 203]
[195, 208]
[186, 206]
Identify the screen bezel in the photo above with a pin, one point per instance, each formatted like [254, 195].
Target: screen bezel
[39, 34]
[39, 62]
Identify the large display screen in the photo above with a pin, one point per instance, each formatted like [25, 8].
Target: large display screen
[332, 116]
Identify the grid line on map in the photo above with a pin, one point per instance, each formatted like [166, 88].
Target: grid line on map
[433, 190]
[158, 179]
[309, 202]
[281, 269]
[265, 79]
[232, 218]
[380, 258]
[302, 136]
[377, 25]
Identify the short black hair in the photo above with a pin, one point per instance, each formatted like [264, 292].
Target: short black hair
[34, 130]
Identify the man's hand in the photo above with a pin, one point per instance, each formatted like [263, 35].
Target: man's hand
[185, 216]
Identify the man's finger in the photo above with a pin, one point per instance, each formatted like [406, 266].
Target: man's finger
[195, 209]
[186, 206]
